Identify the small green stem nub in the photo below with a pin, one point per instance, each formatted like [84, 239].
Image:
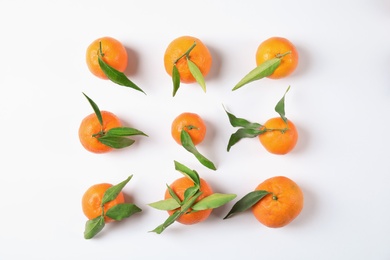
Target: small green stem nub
[187, 53]
[274, 197]
[282, 55]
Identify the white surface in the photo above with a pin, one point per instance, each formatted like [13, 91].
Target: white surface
[339, 100]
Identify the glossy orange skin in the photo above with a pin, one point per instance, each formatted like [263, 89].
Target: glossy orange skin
[192, 123]
[114, 54]
[274, 46]
[280, 207]
[90, 125]
[200, 55]
[179, 186]
[92, 200]
[277, 142]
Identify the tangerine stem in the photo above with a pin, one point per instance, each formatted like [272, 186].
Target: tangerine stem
[282, 55]
[282, 130]
[100, 51]
[186, 53]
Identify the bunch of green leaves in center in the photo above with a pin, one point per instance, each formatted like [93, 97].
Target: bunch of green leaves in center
[250, 130]
[114, 137]
[189, 203]
[117, 212]
[194, 69]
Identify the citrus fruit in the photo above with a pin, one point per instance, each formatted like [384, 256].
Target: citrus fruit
[276, 47]
[175, 53]
[90, 129]
[282, 205]
[179, 186]
[280, 138]
[92, 199]
[112, 52]
[192, 123]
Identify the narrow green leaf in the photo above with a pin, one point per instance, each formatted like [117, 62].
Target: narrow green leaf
[112, 192]
[175, 79]
[241, 122]
[122, 210]
[213, 201]
[124, 131]
[279, 108]
[167, 204]
[96, 109]
[195, 71]
[247, 202]
[263, 70]
[116, 142]
[169, 221]
[93, 227]
[190, 202]
[117, 76]
[243, 133]
[173, 195]
[193, 175]
[187, 143]
[189, 192]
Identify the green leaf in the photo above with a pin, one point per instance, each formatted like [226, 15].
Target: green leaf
[122, 210]
[169, 221]
[124, 131]
[279, 108]
[175, 79]
[187, 143]
[263, 70]
[247, 202]
[193, 175]
[173, 195]
[189, 192]
[117, 76]
[213, 201]
[167, 204]
[243, 133]
[93, 227]
[195, 71]
[96, 109]
[112, 192]
[116, 142]
[237, 122]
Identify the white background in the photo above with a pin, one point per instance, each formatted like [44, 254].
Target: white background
[339, 100]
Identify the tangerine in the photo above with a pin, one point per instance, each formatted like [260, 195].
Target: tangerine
[111, 51]
[282, 205]
[192, 123]
[277, 47]
[179, 186]
[175, 54]
[92, 199]
[280, 138]
[90, 129]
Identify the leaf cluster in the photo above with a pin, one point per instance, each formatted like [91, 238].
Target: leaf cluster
[117, 212]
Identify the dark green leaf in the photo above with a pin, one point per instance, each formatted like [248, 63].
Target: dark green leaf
[117, 76]
[247, 202]
[170, 220]
[112, 192]
[122, 210]
[236, 122]
[173, 195]
[213, 201]
[243, 133]
[93, 227]
[96, 109]
[116, 142]
[167, 204]
[187, 143]
[263, 70]
[124, 131]
[279, 108]
[175, 79]
[193, 175]
[197, 74]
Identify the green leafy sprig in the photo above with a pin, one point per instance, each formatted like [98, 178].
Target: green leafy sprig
[194, 69]
[188, 204]
[248, 129]
[117, 212]
[115, 137]
[247, 202]
[264, 69]
[114, 75]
